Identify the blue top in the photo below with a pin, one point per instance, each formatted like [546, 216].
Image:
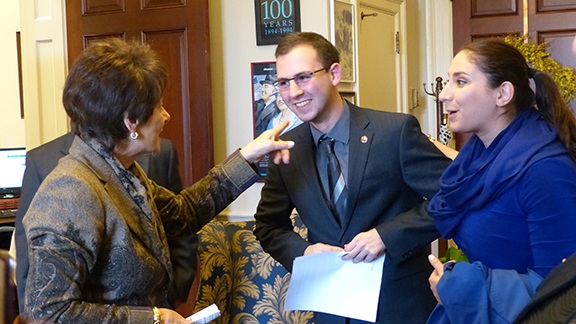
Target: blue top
[511, 205]
[531, 225]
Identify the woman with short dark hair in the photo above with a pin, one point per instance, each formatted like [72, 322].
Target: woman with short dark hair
[97, 228]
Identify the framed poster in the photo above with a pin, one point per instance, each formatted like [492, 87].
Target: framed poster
[349, 95]
[268, 108]
[276, 18]
[342, 33]
[264, 106]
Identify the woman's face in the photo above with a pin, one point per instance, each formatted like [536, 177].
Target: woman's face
[469, 101]
[280, 102]
[149, 133]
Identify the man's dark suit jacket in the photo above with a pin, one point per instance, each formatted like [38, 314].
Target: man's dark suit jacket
[555, 298]
[392, 167]
[161, 168]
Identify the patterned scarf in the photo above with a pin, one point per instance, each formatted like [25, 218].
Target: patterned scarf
[129, 179]
[479, 175]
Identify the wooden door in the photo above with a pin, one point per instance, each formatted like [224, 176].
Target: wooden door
[552, 21]
[178, 31]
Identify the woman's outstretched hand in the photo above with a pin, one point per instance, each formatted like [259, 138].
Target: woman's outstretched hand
[268, 143]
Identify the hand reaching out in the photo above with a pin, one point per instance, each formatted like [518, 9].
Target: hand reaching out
[268, 143]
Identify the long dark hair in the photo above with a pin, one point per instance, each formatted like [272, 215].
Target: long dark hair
[502, 62]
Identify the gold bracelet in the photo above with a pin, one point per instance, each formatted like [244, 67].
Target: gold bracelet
[157, 318]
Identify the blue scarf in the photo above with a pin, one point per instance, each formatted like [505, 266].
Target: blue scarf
[479, 175]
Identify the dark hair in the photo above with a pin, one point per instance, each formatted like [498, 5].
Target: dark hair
[502, 62]
[110, 80]
[327, 53]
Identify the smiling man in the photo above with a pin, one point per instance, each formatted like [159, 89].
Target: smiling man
[359, 179]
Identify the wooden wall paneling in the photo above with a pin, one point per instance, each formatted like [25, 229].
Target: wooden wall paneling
[178, 30]
[555, 5]
[482, 8]
[560, 46]
[161, 4]
[95, 7]
[480, 18]
[171, 45]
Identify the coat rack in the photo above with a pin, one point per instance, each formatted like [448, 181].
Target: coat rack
[443, 135]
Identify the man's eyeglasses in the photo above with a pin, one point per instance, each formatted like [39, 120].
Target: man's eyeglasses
[300, 79]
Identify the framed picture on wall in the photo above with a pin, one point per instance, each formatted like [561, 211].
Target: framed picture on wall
[268, 108]
[349, 95]
[264, 106]
[276, 18]
[342, 34]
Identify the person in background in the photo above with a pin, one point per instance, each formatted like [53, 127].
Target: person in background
[284, 115]
[97, 228]
[266, 107]
[162, 168]
[508, 198]
[388, 169]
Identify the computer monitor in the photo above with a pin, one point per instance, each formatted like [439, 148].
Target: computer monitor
[12, 166]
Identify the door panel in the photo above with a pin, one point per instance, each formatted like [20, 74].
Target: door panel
[491, 19]
[378, 64]
[555, 5]
[178, 31]
[494, 7]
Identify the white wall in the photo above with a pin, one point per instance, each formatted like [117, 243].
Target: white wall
[12, 132]
[233, 47]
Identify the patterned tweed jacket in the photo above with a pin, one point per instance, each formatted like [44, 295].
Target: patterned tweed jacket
[95, 257]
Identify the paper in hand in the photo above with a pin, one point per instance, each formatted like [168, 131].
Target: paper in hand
[206, 315]
[325, 283]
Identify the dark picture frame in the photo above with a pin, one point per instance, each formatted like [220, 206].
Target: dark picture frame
[342, 33]
[348, 95]
[275, 19]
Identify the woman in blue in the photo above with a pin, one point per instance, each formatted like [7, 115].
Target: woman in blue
[509, 198]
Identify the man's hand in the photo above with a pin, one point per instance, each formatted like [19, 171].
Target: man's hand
[320, 247]
[366, 246]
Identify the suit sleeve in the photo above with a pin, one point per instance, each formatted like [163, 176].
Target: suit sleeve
[164, 167]
[30, 185]
[195, 206]
[422, 164]
[274, 227]
[174, 181]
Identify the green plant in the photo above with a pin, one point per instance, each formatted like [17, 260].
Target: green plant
[537, 56]
[454, 254]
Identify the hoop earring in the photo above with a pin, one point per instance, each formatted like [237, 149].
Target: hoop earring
[134, 135]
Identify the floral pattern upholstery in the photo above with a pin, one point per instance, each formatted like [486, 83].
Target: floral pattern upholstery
[246, 284]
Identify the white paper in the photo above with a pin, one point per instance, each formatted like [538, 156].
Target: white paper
[325, 283]
[206, 315]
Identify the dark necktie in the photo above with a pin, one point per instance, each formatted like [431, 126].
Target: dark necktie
[336, 183]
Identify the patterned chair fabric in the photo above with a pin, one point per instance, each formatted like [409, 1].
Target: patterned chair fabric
[246, 284]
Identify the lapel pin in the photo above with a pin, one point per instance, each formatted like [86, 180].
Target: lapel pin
[364, 139]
